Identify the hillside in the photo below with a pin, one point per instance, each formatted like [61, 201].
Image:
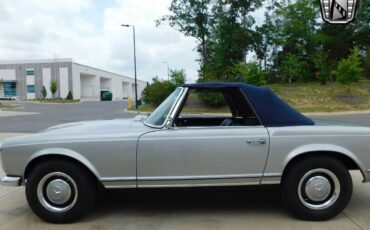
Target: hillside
[333, 97]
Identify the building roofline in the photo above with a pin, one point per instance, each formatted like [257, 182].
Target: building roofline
[120, 75]
[59, 60]
[33, 61]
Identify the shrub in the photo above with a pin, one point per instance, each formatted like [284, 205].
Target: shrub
[249, 73]
[349, 69]
[53, 87]
[44, 92]
[211, 99]
[157, 92]
[291, 68]
[69, 96]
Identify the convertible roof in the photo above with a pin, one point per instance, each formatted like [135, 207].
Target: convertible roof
[271, 110]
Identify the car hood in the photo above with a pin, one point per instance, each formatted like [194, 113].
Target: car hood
[84, 131]
[98, 126]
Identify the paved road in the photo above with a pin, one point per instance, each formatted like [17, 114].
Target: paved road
[48, 115]
[53, 114]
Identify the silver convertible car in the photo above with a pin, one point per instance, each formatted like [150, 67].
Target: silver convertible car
[253, 138]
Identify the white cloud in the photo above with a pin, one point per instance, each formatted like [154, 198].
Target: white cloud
[90, 32]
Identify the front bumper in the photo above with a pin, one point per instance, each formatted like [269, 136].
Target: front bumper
[12, 181]
[367, 176]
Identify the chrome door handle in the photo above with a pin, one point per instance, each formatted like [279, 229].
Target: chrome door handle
[261, 141]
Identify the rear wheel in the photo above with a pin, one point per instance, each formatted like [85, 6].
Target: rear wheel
[317, 188]
[60, 191]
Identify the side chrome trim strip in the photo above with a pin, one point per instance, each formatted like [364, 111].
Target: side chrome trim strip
[119, 182]
[171, 178]
[199, 182]
[271, 180]
[182, 185]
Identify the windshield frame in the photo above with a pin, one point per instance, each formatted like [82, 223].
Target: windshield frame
[172, 111]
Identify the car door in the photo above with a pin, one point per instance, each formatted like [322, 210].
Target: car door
[202, 156]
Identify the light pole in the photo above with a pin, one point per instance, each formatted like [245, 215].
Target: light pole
[133, 33]
[168, 70]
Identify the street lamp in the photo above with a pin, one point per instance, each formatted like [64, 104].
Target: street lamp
[133, 32]
[168, 70]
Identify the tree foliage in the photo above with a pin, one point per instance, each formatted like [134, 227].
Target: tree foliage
[291, 68]
[69, 96]
[292, 43]
[349, 69]
[177, 77]
[44, 92]
[249, 73]
[53, 87]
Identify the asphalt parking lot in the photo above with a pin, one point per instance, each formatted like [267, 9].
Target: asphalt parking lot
[200, 208]
[38, 116]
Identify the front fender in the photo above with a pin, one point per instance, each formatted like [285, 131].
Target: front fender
[65, 153]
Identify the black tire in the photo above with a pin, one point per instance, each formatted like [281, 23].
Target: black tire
[78, 180]
[299, 203]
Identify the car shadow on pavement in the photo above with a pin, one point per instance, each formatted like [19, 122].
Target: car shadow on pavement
[147, 202]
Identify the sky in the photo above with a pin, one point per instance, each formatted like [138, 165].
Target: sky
[90, 32]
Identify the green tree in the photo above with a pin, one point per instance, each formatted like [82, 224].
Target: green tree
[323, 73]
[69, 96]
[53, 87]
[222, 27]
[249, 73]
[349, 69]
[156, 92]
[297, 34]
[367, 64]
[44, 92]
[291, 68]
[178, 77]
[194, 19]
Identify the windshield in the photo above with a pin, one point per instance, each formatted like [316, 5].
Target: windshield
[158, 117]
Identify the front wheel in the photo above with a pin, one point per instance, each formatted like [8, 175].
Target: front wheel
[60, 191]
[317, 188]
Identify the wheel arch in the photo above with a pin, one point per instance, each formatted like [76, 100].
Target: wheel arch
[349, 160]
[63, 154]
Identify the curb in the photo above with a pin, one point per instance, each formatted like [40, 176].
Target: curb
[338, 113]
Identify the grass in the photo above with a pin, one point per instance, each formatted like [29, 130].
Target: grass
[309, 97]
[10, 106]
[54, 101]
[333, 97]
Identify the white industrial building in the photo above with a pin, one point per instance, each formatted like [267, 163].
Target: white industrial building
[25, 79]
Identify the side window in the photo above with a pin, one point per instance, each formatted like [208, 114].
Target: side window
[205, 104]
[215, 107]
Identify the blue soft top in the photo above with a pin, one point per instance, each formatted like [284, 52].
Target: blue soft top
[271, 110]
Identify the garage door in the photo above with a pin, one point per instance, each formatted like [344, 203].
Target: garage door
[87, 91]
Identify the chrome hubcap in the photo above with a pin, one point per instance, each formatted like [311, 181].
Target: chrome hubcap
[57, 192]
[319, 189]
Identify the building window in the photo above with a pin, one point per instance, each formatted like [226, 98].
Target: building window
[30, 72]
[30, 88]
[10, 89]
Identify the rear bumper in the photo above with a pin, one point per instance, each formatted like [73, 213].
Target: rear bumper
[11, 181]
[367, 176]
